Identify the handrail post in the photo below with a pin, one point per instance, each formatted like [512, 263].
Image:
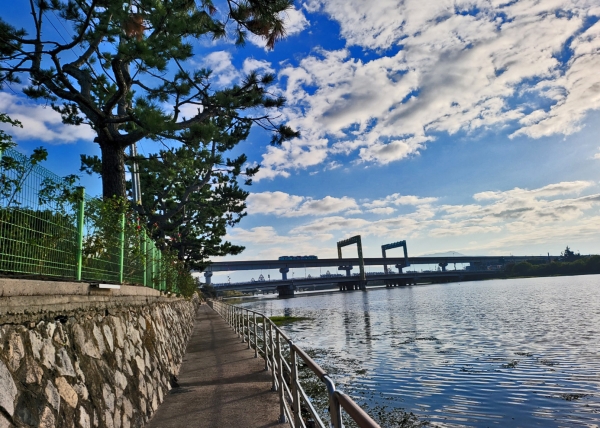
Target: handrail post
[243, 326]
[80, 225]
[255, 336]
[265, 347]
[121, 248]
[295, 383]
[273, 367]
[335, 409]
[248, 327]
[280, 379]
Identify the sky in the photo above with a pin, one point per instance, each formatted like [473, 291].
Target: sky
[466, 126]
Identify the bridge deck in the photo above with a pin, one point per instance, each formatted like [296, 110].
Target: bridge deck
[221, 384]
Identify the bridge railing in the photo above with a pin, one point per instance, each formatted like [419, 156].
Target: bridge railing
[273, 345]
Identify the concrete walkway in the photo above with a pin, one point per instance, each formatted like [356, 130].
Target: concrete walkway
[221, 384]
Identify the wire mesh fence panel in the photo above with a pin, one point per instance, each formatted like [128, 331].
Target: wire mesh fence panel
[37, 229]
[48, 228]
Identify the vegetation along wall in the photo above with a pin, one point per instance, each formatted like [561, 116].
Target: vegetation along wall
[72, 355]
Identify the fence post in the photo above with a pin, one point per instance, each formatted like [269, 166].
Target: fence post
[152, 270]
[122, 248]
[80, 224]
[160, 267]
[145, 264]
[163, 270]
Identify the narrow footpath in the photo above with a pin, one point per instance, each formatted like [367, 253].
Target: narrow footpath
[221, 384]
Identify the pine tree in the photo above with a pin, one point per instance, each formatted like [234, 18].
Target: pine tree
[126, 61]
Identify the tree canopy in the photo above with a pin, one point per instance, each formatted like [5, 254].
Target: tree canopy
[125, 71]
[569, 255]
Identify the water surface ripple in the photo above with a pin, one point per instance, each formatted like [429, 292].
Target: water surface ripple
[523, 352]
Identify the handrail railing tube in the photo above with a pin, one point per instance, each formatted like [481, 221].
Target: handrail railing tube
[359, 415]
[292, 395]
[311, 408]
[310, 362]
[334, 405]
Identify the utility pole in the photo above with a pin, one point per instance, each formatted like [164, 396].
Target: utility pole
[136, 190]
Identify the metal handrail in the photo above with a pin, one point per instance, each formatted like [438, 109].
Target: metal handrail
[284, 374]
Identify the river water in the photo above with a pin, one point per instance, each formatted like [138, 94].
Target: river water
[520, 352]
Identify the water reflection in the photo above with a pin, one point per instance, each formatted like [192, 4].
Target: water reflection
[504, 353]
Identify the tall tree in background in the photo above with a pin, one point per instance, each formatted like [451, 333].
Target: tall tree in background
[193, 229]
[127, 60]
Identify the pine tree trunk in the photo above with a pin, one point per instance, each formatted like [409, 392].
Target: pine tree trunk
[113, 170]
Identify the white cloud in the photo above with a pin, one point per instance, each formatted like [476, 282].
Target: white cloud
[290, 155]
[294, 22]
[398, 199]
[506, 218]
[441, 67]
[277, 203]
[268, 244]
[546, 191]
[40, 122]
[382, 211]
[222, 67]
[262, 66]
[285, 205]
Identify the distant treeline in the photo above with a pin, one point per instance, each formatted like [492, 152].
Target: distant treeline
[581, 266]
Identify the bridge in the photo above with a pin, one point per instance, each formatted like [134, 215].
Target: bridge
[239, 265]
[286, 287]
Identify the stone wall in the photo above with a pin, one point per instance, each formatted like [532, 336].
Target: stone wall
[94, 364]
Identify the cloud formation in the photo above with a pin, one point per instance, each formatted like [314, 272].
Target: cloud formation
[40, 122]
[504, 218]
[440, 67]
[285, 205]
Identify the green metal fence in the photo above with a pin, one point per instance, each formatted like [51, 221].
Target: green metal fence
[50, 229]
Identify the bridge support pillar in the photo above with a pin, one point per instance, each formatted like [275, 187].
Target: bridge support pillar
[284, 272]
[207, 276]
[443, 266]
[399, 267]
[347, 269]
[286, 291]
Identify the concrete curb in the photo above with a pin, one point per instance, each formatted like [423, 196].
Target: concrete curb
[23, 300]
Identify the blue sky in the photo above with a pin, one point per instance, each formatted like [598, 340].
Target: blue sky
[468, 126]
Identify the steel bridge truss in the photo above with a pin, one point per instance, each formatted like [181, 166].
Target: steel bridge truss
[389, 247]
[354, 240]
